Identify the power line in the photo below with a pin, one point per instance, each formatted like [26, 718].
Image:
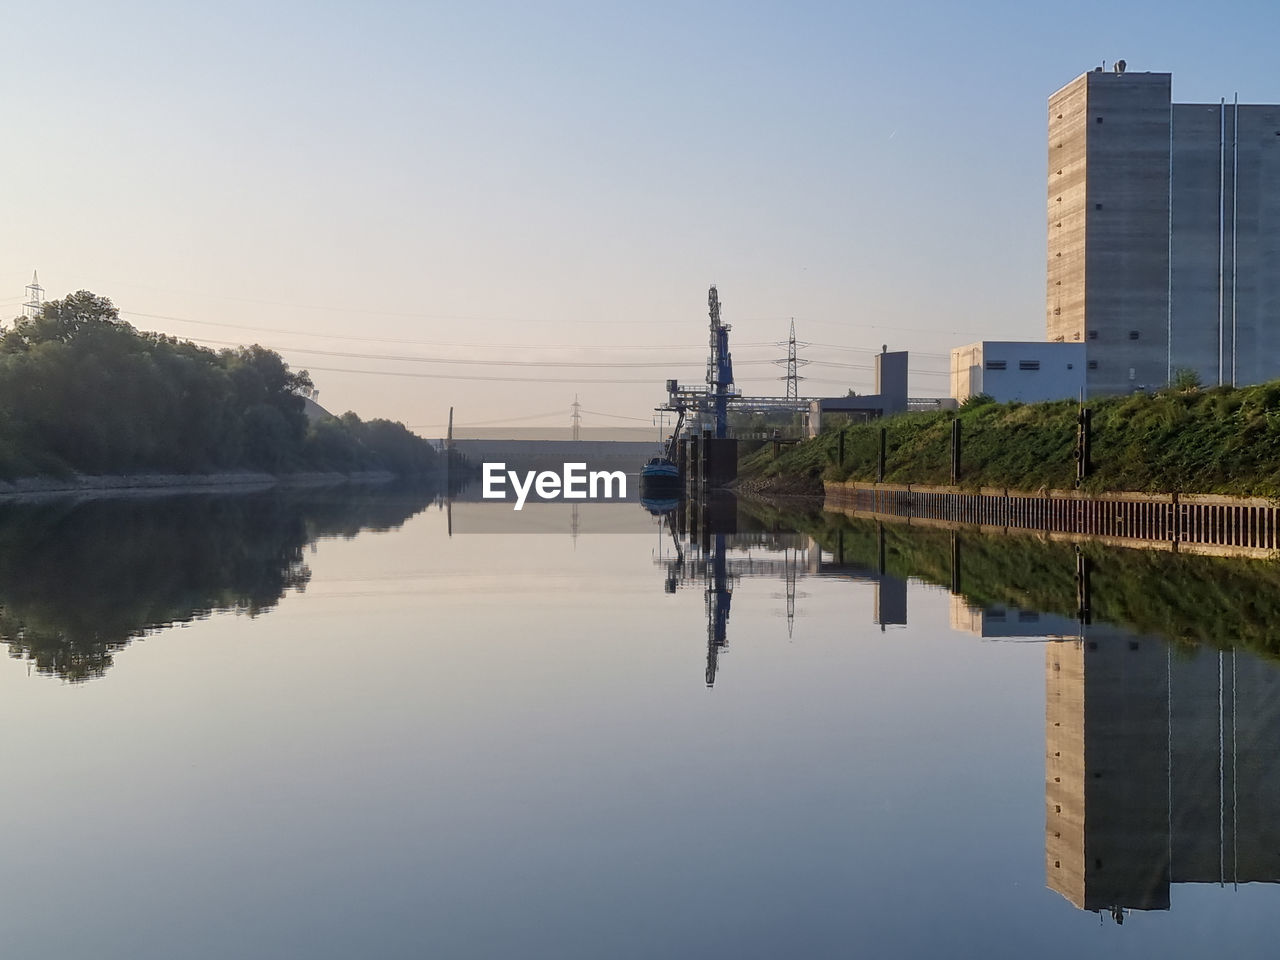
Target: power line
[502, 421]
[587, 364]
[640, 364]
[495, 379]
[426, 343]
[409, 315]
[509, 379]
[618, 416]
[487, 423]
[472, 345]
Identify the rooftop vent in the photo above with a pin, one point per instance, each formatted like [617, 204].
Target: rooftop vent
[1119, 66]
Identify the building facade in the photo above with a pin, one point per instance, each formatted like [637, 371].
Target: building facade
[1163, 233]
[1025, 371]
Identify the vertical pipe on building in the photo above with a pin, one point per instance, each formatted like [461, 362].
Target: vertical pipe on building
[1168, 343]
[1221, 781]
[1235, 818]
[1235, 205]
[1168, 739]
[1222, 210]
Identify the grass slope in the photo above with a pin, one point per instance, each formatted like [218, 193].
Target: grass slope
[1221, 440]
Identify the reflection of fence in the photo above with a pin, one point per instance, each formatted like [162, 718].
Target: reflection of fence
[1212, 524]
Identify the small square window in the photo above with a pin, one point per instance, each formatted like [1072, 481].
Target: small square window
[1098, 120]
[1133, 334]
[1093, 364]
[1097, 206]
[1071, 366]
[1093, 334]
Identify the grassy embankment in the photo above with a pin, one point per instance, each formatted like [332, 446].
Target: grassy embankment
[1219, 440]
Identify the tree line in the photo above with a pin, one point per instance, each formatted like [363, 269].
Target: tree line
[82, 391]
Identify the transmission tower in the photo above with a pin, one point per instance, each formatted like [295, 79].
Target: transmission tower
[792, 363]
[34, 305]
[576, 419]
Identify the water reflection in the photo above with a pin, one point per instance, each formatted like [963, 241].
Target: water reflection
[1160, 727]
[1158, 770]
[80, 579]
[719, 540]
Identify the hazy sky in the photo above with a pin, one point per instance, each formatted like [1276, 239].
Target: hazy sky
[561, 181]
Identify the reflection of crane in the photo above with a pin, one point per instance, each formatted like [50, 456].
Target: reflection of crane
[718, 592]
[675, 568]
[790, 562]
[711, 566]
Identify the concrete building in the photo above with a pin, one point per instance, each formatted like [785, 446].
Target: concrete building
[1164, 233]
[890, 396]
[1027, 371]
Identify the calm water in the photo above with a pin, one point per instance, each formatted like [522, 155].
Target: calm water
[320, 727]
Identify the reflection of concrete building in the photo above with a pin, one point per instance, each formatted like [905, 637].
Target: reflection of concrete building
[1157, 769]
[1106, 771]
[1002, 621]
[890, 591]
[1225, 730]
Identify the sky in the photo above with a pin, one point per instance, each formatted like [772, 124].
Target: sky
[501, 206]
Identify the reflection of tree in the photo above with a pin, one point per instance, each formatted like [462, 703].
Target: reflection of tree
[79, 581]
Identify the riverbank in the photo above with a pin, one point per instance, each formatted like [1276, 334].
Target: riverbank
[1220, 441]
[29, 488]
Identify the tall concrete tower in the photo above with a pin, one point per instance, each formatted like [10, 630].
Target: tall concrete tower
[1108, 217]
[1164, 233]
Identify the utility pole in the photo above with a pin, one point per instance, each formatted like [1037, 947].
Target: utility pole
[34, 305]
[792, 363]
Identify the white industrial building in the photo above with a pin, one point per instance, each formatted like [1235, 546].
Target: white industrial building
[1028, 371]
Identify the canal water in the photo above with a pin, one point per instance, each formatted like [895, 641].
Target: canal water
[321, 726]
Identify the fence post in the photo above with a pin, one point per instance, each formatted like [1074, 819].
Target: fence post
[955, 451]
[1084, 431]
